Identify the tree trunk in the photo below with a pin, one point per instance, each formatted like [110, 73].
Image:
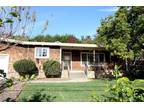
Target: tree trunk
[126, 64]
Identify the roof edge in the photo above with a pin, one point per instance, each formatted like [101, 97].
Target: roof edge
[48, 43]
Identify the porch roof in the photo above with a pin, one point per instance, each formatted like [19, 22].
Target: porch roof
[66, 45]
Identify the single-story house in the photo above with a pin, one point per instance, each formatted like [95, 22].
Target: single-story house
[73, 57]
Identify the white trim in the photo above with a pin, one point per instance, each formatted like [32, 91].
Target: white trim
[38, 57]
[93, 58]
[87, 58]
[60, 55]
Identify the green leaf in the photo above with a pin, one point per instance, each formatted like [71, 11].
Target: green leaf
[1, 22]
[9, 21]
[14, 14]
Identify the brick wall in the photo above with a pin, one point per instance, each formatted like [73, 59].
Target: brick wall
[17, 52]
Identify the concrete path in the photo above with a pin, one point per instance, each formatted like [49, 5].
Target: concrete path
[11, 92]
[59, 80]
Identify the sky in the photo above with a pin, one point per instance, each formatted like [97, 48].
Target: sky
[76, 20]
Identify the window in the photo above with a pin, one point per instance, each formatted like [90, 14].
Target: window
[99, 58]
[84, 58]
[88, 58]
[41, 52]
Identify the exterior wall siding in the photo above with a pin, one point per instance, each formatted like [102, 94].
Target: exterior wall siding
[18, 52]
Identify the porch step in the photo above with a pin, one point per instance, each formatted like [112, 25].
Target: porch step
[77, 75]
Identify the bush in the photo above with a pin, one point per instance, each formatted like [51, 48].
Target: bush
[25, 67]
[136, 72]
[9, 82]
[27, 77]
[123, 91]
[38, 96]
[52, 68]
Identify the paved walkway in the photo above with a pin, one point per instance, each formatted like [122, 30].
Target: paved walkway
[59, 80]
[11, 92]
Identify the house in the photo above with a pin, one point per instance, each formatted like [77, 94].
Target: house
[73, 57]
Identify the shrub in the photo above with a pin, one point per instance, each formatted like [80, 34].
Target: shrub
[25, 67]
[136, 72]
[38, 96]
[9, 82]
[123, 91]
[27, 77]
[52, 68]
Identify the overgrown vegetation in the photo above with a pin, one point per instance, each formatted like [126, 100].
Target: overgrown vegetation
[123, 90]
[52, 68]
[122, 34]
[6, 81]
[25, 68]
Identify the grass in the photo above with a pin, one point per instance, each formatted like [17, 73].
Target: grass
[67, 92]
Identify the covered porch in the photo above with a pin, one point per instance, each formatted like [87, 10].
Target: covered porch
[78, 62]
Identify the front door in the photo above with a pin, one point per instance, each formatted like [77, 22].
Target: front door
[67, 61]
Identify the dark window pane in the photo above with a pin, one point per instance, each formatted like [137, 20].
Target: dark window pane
[101, 57]
[90, 59]
[44, 52]
[96, 58]
[84, 59]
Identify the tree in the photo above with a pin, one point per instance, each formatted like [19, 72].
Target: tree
[87, 39]
[61, 38]
[122, 34]
[72, 39]
[17, 22]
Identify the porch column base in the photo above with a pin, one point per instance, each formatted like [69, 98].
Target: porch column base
[65, 74]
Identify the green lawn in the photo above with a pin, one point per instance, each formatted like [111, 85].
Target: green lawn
[68, 92]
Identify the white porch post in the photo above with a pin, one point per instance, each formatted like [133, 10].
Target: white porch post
[60, 54]
[94, 56]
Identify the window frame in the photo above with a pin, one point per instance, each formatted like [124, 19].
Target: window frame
[42, 49]
[87, 63]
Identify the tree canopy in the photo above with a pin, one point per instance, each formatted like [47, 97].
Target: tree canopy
[123, 33]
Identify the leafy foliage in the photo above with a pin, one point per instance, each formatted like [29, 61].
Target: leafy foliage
[60, 38]
[27, 77]
[136, 72]
[116, 72]
[39, 96]
[9, 82]
[123, 91]
[122, 34]
[25, 67]
[52, 68]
